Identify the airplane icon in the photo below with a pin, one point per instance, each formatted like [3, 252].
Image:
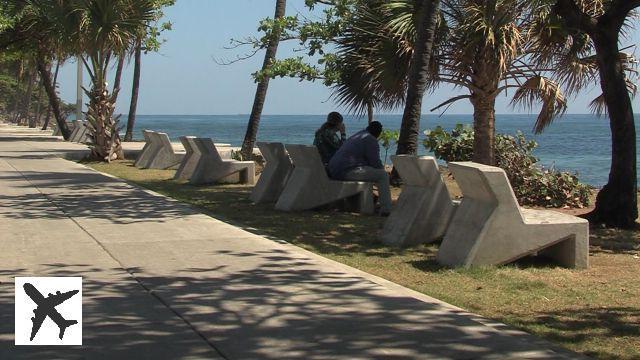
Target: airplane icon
[47, 307]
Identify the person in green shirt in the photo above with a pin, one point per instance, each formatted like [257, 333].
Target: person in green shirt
[330, 136]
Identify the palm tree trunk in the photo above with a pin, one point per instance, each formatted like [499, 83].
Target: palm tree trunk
[131, 120]
[53, 96]
[55, 82]
[418, 76]
[617, 203]
[16, 97]
[261, 91]
[37, 115]
[119, 68]
[484, 129]
[369, 112]
[26, 105]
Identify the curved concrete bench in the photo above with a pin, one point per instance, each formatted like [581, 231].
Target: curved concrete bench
[275, 174]
[210, 167]
[489, 228]
[424, 208]
[147, 151]
[163, 156]
[309, 186]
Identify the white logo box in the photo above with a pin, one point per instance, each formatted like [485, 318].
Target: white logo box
[70, 309]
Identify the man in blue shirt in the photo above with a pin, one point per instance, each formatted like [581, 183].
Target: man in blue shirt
[358, 159]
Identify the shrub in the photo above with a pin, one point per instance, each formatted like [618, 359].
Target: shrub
[532, 184]
[388, 138]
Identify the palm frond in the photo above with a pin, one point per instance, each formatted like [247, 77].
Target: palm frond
[541, 89]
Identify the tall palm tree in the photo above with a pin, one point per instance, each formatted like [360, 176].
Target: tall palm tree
[487, 52]
[135, 90]
[42, 28]
[418, 77]
[263, 84]
[602, 22]
[147, 41]
[47, 118]
[105, 30]
[119, 69]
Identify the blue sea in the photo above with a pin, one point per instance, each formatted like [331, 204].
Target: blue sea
[577, 143]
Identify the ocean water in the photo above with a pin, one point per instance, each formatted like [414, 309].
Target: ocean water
[577, 143]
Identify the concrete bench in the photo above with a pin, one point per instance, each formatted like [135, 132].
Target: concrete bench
[83, 135]
[55, 131]
[310, 187]
[78, 129]
[191, 158]
[56, 128]
[275, 174]
[210, 167]
[147, 151]
[424, 208]
[162, 155]
[490, 228]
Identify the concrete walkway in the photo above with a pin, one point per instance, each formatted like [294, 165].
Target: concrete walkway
[162, 281]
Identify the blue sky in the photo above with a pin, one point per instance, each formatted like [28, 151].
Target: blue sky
[183, 77]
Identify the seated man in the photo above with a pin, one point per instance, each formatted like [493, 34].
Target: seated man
[358, 159]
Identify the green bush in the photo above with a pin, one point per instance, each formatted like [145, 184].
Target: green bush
[388, 138]
[532, 184]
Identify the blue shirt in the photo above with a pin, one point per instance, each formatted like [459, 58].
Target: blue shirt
[361, 149]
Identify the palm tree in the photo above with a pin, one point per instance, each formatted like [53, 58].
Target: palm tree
[478, 45]
[41, 30]
[599, 22]
[135, 90]
[55, 85]
[105, 30]
[119, 69]
[418, 77]
[487, 52]
[263, 83]
[147, 41]
[371, 61]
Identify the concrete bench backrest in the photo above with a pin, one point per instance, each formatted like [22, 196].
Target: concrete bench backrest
[275, 174]
[212, 168]
[77, 127]
[273, 151]
[190, 161]
[147, 138]
[309, 186]
[417, 171]
[307, 157]
[207, 148]
[486, 187]
[424, 208]
[164, 142]
[147, 149]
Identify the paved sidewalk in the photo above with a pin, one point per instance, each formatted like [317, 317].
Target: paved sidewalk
[164, 281]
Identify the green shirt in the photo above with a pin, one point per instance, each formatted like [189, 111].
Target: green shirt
[328, 141]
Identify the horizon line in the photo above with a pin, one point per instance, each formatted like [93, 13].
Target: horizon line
[347, 114]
